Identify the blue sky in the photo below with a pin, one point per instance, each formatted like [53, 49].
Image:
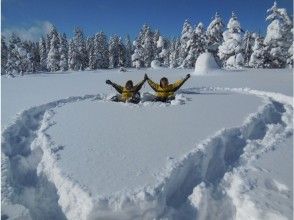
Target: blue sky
[31, 17]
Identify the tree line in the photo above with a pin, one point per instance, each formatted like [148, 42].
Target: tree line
[231, 46]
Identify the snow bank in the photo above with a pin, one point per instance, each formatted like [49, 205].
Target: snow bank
[205, 64]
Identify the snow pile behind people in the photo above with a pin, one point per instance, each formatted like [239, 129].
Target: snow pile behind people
[205, 64]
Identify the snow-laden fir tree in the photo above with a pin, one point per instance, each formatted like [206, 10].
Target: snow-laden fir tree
[101, 50]
[278, 37]
[14, 59]
[163, 51]
[148, 47]
[72, 56]
[121, 54]
[4, 55]
[290, 53]
[27, 64]
[129, 51]
[157, 49]
[186, 35]
[92, 57]
[230, 51]
[248, 42]
[53, 57]
[43, 54]
[174, 53]
[258, 55]
[137, 56]
[63, 51]
[196, 45]
[80, 47]
[214, 34]
[114, 51]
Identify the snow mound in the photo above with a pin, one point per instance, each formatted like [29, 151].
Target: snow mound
[155, 64]
[205, 63]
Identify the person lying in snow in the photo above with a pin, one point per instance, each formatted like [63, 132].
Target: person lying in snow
[165, 92]
[128, 93]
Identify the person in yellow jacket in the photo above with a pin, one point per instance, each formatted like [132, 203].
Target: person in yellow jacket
[128, 93]
[165, 92]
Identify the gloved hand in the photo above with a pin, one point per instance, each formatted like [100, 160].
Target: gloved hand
[188, 76]
[108, 82]
[145, 77]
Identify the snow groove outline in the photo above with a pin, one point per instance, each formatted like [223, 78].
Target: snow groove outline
[164, 199]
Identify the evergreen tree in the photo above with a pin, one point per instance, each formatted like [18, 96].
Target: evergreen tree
[186, 36]
[72, 56]
[148, 47]
[129, 51]
[4, 55]
[101, 52]
[43, 54]
[248, 42]
[230, 51]
[214, 34]
[137, 57]
[114, 52]
[63, 51]
[174, 53]
[121, 54]
[53, 58]
[257, 56]
[195, 46]
[278, 37]
[80, 47]
[14, 60]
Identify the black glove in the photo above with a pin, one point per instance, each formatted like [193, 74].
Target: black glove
[188, 76]
[145, 77]
[108, 82]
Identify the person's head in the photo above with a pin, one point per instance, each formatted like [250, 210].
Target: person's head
[129, 84]
[163, 82]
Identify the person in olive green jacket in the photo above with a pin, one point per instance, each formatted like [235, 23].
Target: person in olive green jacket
[165, 92]
[128, 93]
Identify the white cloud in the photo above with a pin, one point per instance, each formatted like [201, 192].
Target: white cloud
[32, 33]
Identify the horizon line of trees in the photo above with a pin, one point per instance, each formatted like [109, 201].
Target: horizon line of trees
[231, 46]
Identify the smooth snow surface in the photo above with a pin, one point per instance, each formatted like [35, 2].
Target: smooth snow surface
[221, 150]
[205, 63]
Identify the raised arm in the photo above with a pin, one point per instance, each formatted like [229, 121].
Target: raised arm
[140, 84]
[178, 84]
[118, 88]
[153, 85]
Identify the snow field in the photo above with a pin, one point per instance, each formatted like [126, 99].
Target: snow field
[209, 181]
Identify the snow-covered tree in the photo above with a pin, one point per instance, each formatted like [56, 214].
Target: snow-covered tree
[92, 57]
[63, 51]
[148, 47]
[129, 51]
[248, 42]
[14, 59]
[121, 54]
[290, 54]
[278, 37]
[80, 47]
[214, 34]
[196, 45]
[43, 54]
[53, 58]
[137, 57]
[230, 51]
[101, 50]
[114, 51]
[157, 49]
[72, 56]
[174, 53]
[257, 56]
[4, 55]
[187, 34]
[163, 50]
